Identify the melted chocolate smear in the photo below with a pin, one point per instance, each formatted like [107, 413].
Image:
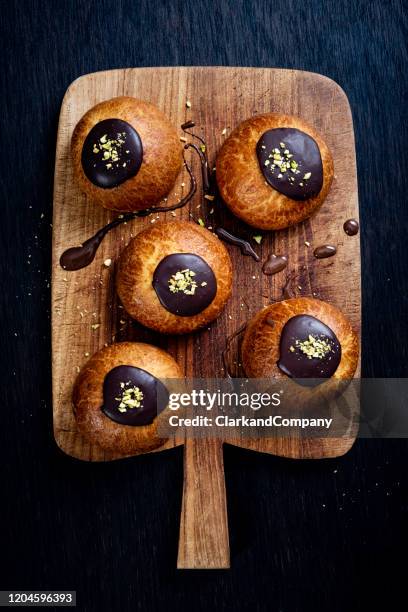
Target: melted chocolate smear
[79, 257]
[125, 377]
[296, 364]
[274, 264]
[351, 227]
[181, 303]
[326, 250]
[303, 176]
[246, 248]
[112, 153]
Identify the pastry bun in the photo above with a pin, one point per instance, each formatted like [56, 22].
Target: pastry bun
[250, 179]
[262, 339]
[126, 154]
[91, 396]
[146, 280]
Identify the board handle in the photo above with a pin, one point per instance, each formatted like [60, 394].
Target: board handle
[203, 540]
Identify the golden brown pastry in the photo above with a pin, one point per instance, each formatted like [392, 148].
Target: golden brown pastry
[174, 277]
[116, 396]
[274, 171]
[306, 342]
[126, 154]
[277, 342]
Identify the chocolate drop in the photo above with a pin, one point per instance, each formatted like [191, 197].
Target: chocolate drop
[326, 250]
[181, 303]
[351, 227]
[112, 153]
[295, 363]
[155, 395]
[302, 158]
[274, 264]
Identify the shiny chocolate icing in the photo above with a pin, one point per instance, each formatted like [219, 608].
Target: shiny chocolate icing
[291, 163]
[112, 153]
[125, 379]
[200, 289]
[294, 360]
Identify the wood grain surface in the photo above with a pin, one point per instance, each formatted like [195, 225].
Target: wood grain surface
[86, 313]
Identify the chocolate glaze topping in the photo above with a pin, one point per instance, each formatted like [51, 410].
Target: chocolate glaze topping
[195, 289]
[291, 163]
[351, 227]
[124, 384]
[79, 257]
[325, 250]
[303, 337]
[246, 248]
[274, 264]
[112, 153]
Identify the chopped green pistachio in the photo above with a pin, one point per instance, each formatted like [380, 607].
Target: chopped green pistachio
[257, 239]
[183, 280]
[132, 397]
[314, 347]
[201, 222]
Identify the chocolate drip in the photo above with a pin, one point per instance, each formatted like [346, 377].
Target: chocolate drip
[274, 264]
[79, 257]
[154, 396]
[291, 163]
[294, 361]
[202, 152]
[326, 250]
[246, 248]
[112, 153]
[184, 303]
[351, 227]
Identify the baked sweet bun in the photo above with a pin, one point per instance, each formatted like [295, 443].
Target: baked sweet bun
[308, 342]
[126, 154]
[274, 171]
[174, 277]
[118, 398]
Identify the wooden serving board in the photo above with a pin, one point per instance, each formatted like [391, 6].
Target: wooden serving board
[86, 312]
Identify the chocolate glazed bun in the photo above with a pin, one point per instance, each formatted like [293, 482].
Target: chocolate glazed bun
[97, 387]
[251, 182]
[174, 277]
[272, 337]
[126, 154]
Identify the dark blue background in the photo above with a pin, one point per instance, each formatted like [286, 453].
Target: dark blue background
[304, 536]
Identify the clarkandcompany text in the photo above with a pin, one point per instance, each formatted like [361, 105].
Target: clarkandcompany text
[242, 421]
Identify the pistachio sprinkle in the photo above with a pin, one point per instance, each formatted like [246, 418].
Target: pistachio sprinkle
[280, 160]
[131, 398]
[183, 280]
[111, 149]
[313, 347]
